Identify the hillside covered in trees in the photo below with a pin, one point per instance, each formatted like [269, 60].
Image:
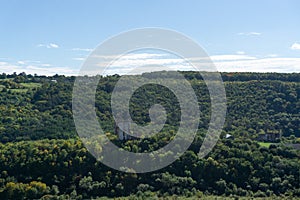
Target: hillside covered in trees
[42, 156]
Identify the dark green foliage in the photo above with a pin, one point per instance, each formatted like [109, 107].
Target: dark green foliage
[42, 157]
[60, 167]
[41, 108]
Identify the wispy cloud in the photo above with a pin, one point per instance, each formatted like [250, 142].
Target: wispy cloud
[82, 49]
[231, 57]
[41, 69]
[21, 62]
[4, 58]
[156, 62]
[295, 46]
[79, 59]
[272, 55]
[284, 65]
[49, 46]
[224, 63]
[29, 62]
[240, 52]
[250, 33]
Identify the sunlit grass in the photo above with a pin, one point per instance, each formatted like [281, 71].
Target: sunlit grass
[265, 144]
[19, 90]
[31, 85]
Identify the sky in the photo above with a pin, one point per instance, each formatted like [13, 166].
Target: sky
[55, 37]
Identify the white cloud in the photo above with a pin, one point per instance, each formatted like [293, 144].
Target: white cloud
[250, 33]
[40, 69]
[226, 63]
[146, 62]
[21, 62]
[132, 56]
[52, 45]
[31, 62]
[240, 52]
[4, 58]
[45, 65]
[284, 65]
[231, 57]
[272, 55]
[295, 46]
[82, 49]
[49, 46]
[79, 59]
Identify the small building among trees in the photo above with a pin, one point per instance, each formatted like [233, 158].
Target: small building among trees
[122, 130]
[269, 136]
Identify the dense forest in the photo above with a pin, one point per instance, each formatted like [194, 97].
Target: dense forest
[42, 156]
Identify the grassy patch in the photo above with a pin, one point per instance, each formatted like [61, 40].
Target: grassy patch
[19, 90]
[7, 79]
[265, 144]
[31, 85]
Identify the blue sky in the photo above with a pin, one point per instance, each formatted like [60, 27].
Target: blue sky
[48, 37]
